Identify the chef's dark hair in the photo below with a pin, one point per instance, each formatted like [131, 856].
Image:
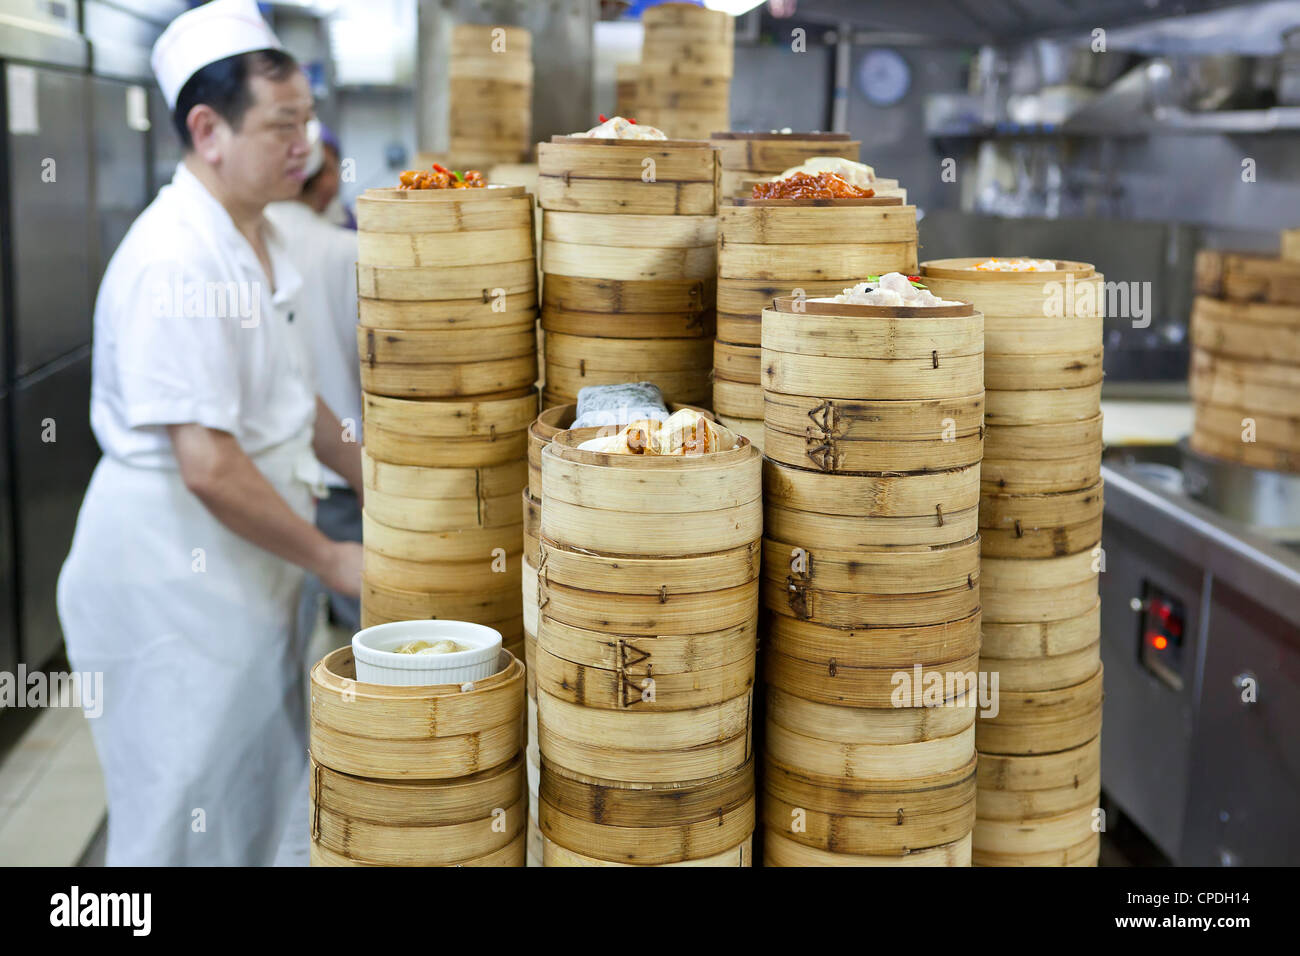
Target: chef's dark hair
[225, 86]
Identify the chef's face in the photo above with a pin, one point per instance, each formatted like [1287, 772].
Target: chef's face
[265, 159]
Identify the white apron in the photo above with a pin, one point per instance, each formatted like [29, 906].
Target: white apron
[202, 734]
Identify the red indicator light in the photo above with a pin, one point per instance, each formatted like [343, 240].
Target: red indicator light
[1160, 642]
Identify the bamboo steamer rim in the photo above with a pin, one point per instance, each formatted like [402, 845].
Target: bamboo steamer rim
[785, 304]
[634, 143]
[490, 191]
[565, 445]
[815, 135]
[808, 203]
[960, 268]
[331, 673]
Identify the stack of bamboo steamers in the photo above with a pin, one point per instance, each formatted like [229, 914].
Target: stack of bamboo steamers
[683, 83]
[628, 235]
[870, 551]
[491, 107]
[1040, 525]
[1246, 358]
[416, 776]
[447, 289]
[644, 661]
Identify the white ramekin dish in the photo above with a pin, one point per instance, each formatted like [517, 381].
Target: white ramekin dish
[377, 664]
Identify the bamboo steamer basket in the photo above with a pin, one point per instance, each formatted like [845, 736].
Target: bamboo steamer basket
[898, 422]
[500, 281]
[1012, 806]
[503, 604]
[647, 825]
[1037, 406]
[394, 347]
[836, 665]
[454, 216]
[1017, 372]
[850, 816]
[418, 822]
[674, 29]
[751, 428]
[422, 733]
[591, 355]
[474, 546]
[532, 530]
[645, 746]
[684, 123]
[579, 174]
[448, 315]
[778, 850]
[1044, 442]
[741, 303]
[1040, 526]
[438, 576]
[1039, 773]
[661, 87]
[820, 449]
[721, 492]
[513, 854]
[738, 399]
[1271, 388]
[410, 481]
[813, 531]
[1048, 672]
[1035, 639]
[1076, 288]
[398, 447]
[1040, 722]
[556, 855]
[625, 75]
[469, 418]
[491, 105]
[936, 495]
[1251, 454]
[873, 589]
[1272, 431]
[1035, 836]
[1014, 476]
[1085, 853]
[1242, 277]
[637, 656]
[452, 380]
[1038, 589]
[908, 371]
[861, 725]
[1247, 330]
[755, 155]
[675, 297]
[894, 767]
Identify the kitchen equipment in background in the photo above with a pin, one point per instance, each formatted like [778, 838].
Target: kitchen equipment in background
[1288, 79]
[1268, 501]
[8, 549]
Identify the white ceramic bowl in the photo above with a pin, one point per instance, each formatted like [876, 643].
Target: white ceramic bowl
[377, 664]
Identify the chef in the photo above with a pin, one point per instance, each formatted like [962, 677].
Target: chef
[329, 308]
[182, 582]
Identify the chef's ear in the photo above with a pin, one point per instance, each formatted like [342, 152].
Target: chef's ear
[204, 124]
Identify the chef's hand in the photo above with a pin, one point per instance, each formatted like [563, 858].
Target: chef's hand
[342, 571]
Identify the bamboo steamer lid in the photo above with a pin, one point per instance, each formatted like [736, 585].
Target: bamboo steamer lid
[1084, 853]
[1039, 526]
[1059, 832]
[778, 850]
[1074, 288]
[647, 825]
[873, 496]
[418, 822]
[1034, 406]
[420, 212]
[811, 531]
[853, 725]
[556, 855]
[512, 854]
[887, 767]
[1043, 772]
[860, 821]
[1051, 638]
[1034, 722]
[580, 174]
[1038, 589]
[644, 746]
[426, 733]
[612, 486]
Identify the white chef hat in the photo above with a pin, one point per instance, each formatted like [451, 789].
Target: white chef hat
[205, 35]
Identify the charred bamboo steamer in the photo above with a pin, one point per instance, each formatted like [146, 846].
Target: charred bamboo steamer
[683, 81]
[808, 247]
[628, 254]
[416, 776]
[1038, 810]
[490, 116]
[648, 598]
[1029, 723]
[1245, 368]
[753, 155]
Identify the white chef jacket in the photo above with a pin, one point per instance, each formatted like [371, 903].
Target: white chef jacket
[202, 737]
[326, 257]
[187, 330]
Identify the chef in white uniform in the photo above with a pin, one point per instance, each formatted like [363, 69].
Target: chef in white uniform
[190, 548]
[329, 312]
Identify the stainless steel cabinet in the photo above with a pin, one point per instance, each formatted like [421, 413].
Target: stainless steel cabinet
[8, 603]
[50, 479]
[50, 218]
[121, 167]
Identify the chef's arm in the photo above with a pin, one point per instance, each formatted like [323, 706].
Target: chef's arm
[343, 457]
[218, 472]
